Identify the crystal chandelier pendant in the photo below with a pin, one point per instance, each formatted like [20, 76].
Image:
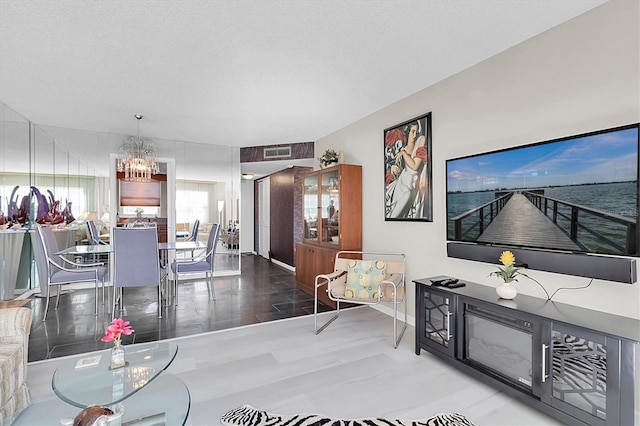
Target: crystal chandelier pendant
[137, 158]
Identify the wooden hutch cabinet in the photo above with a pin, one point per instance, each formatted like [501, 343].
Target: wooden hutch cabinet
[332, 221]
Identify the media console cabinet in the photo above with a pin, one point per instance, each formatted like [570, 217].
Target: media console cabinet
[577, 365]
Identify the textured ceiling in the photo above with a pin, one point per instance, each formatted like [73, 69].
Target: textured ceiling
[245, 73]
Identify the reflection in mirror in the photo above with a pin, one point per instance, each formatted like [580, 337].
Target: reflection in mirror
[73, 165]
[204, 192]
[199, 168]
[15, 168]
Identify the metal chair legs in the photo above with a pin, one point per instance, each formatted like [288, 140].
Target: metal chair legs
[315, 309]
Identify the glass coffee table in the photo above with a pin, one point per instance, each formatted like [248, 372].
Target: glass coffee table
[148, 396]
[164, 401]
[88, 380]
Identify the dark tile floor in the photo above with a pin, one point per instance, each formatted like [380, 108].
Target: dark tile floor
[263, 292]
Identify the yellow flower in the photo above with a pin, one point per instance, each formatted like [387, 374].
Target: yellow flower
[507, 258]
[510, 271]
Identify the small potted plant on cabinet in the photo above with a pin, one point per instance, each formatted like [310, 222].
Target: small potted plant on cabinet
[328, 159]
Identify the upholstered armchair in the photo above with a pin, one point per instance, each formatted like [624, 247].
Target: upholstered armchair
[15, 326]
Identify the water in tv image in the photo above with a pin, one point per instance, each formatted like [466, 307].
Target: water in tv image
[577, 194]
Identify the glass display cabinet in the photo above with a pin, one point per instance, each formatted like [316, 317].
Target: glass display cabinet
[332, 221]
[332, 207]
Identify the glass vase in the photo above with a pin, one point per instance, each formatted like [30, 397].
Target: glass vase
[117, 356]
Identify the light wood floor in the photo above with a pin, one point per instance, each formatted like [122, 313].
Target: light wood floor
[350, 370]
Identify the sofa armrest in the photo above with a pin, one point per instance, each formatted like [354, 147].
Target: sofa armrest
[15, 325]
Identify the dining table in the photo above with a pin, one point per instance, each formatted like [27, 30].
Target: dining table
[182, 245]
[83, 250]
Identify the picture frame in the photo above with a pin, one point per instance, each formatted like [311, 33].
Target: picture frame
[408, 190]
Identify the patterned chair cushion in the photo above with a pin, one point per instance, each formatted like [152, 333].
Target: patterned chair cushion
[364, 278]
[250, 416]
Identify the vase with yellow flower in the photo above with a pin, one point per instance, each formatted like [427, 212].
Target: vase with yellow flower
[116, 329]
[508, 272]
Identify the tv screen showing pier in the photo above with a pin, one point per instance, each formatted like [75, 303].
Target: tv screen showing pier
[575, 194]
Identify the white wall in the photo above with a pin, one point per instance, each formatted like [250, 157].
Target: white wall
[578, 77]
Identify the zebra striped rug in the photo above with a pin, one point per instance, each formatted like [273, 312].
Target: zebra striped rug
[250, 416]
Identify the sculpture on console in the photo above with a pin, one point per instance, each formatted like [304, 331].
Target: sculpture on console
[12, 206]
[43, 205]
[3, 220]
[45, 213]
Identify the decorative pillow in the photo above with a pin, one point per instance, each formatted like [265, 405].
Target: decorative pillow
[364, 278]
[250, 416]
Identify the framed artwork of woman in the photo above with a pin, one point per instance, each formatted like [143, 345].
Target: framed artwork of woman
[408, 192]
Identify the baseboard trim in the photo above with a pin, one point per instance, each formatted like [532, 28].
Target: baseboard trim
[389, 311]
[283, 265]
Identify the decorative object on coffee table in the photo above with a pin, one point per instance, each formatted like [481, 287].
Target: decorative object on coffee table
[250, 416]
[96, 415]
[112, 334]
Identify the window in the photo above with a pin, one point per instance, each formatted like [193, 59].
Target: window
[192, 202]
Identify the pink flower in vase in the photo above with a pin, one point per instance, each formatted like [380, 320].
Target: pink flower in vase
[117, 327]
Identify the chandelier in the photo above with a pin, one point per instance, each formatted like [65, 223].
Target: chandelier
[137, 157]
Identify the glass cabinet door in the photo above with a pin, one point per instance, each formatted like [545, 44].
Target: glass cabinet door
[310, 207]
[578, 372]
[330, 207]
[438, 326]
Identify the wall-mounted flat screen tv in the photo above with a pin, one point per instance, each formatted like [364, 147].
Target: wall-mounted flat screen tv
[574, 194]
[134, 193]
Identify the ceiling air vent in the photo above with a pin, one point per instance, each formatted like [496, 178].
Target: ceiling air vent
[280, 152]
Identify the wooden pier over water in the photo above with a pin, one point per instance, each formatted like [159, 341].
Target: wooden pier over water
[519, 222]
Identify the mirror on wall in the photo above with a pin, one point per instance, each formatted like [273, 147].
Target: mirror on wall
[74, 166]
[15, 157]
[206, 176]
[15, 180]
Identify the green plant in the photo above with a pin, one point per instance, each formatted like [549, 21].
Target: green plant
[510, 270]
[329, 156]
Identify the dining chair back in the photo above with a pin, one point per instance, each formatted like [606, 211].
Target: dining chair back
[203, 263]
[93, 236]
[135, 262]
[55, 270]
[194, 231]
[92, 233]
[194, 234]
